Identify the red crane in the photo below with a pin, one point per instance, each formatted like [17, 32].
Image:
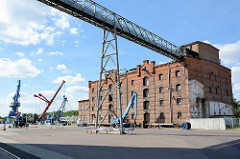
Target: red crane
[40, 96]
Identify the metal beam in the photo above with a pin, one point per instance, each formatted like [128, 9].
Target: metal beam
[104, 18]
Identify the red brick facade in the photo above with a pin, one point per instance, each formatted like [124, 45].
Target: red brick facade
[152, 82]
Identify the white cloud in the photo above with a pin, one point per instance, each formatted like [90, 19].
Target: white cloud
[61, 19]
[55, 53]
[236, 87]
[39, 51]
[20, 54]
[70, 79]
[20, 68]
[62, 67]
[40, 60]
[229, 53]
[76, 89]
[73, 31]
[235, 74]
[29, 22]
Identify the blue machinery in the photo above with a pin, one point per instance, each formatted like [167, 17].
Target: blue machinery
[15, 103]
[113, 25]
[57, 117]
[115, 119]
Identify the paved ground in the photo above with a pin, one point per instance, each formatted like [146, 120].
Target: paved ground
[72, 142]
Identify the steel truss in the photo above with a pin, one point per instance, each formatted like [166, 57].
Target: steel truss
[109, 60]
[104, 18]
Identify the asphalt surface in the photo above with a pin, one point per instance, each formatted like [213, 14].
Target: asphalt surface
[73, 142]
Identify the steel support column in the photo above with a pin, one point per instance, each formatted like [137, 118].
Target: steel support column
[109, 40]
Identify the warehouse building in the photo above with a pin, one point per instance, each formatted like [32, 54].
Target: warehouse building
[196, 87]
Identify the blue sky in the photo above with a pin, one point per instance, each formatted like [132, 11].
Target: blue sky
[41, 46]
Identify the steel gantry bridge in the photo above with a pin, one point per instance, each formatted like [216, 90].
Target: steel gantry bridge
[113, 25]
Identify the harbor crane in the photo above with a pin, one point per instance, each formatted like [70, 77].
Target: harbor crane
[40, 96]
[15, 104]
[113, 24]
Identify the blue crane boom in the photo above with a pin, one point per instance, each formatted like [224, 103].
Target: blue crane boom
[62, 107]
[132, 100]
[15, 103]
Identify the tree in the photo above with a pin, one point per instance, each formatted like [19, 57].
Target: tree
[236, 107]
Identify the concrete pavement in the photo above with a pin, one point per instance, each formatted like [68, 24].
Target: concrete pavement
[72, 142]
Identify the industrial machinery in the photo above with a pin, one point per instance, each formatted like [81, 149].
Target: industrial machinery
[56, 117]
[40, 96]
[15, 104]
[20, 120]
[115, 120]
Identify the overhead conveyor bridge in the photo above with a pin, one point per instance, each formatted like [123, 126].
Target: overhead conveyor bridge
[102, 17]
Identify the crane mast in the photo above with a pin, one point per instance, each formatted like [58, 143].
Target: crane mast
[40, 96]
[15, 103]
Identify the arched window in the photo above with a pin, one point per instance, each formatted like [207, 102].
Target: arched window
[177, 73]
[179, 101]
[161, 90]
[132, 82]
[179, 115]
[110, 98]
[161, 102]
[110, 87]
[145, 81]
[178, 87]
[162, 116]
[146, 105]
[145, 93]
[160, 76]
[110, 107]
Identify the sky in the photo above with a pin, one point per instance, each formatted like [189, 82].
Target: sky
[42, 46]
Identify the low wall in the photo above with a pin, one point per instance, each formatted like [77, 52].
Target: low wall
[208, 123]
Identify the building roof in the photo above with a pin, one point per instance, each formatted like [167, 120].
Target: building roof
[199, 42]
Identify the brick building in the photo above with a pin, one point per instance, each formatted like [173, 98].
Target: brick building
[199, 88]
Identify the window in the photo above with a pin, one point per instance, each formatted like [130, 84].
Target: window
[132, 93]
[179, 115]
[177, 73]
[84, 117]
[110, 98]
[101, 117]
[145, 93]
[146, 105]
[101, 98]
[132, 116]
[160, 76]
[110, 87]
[161, 90]
[210, 90]
[179, 101]
[110, 107]
[92, 108]
[178, 87]
[132, 82]
[161, 102]
[92, 90]
[81, 107]
[81, 118]
[162, 116]
[85, 107]
[92, 98]
[216, 90]
[227, 93]
[145, 81]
